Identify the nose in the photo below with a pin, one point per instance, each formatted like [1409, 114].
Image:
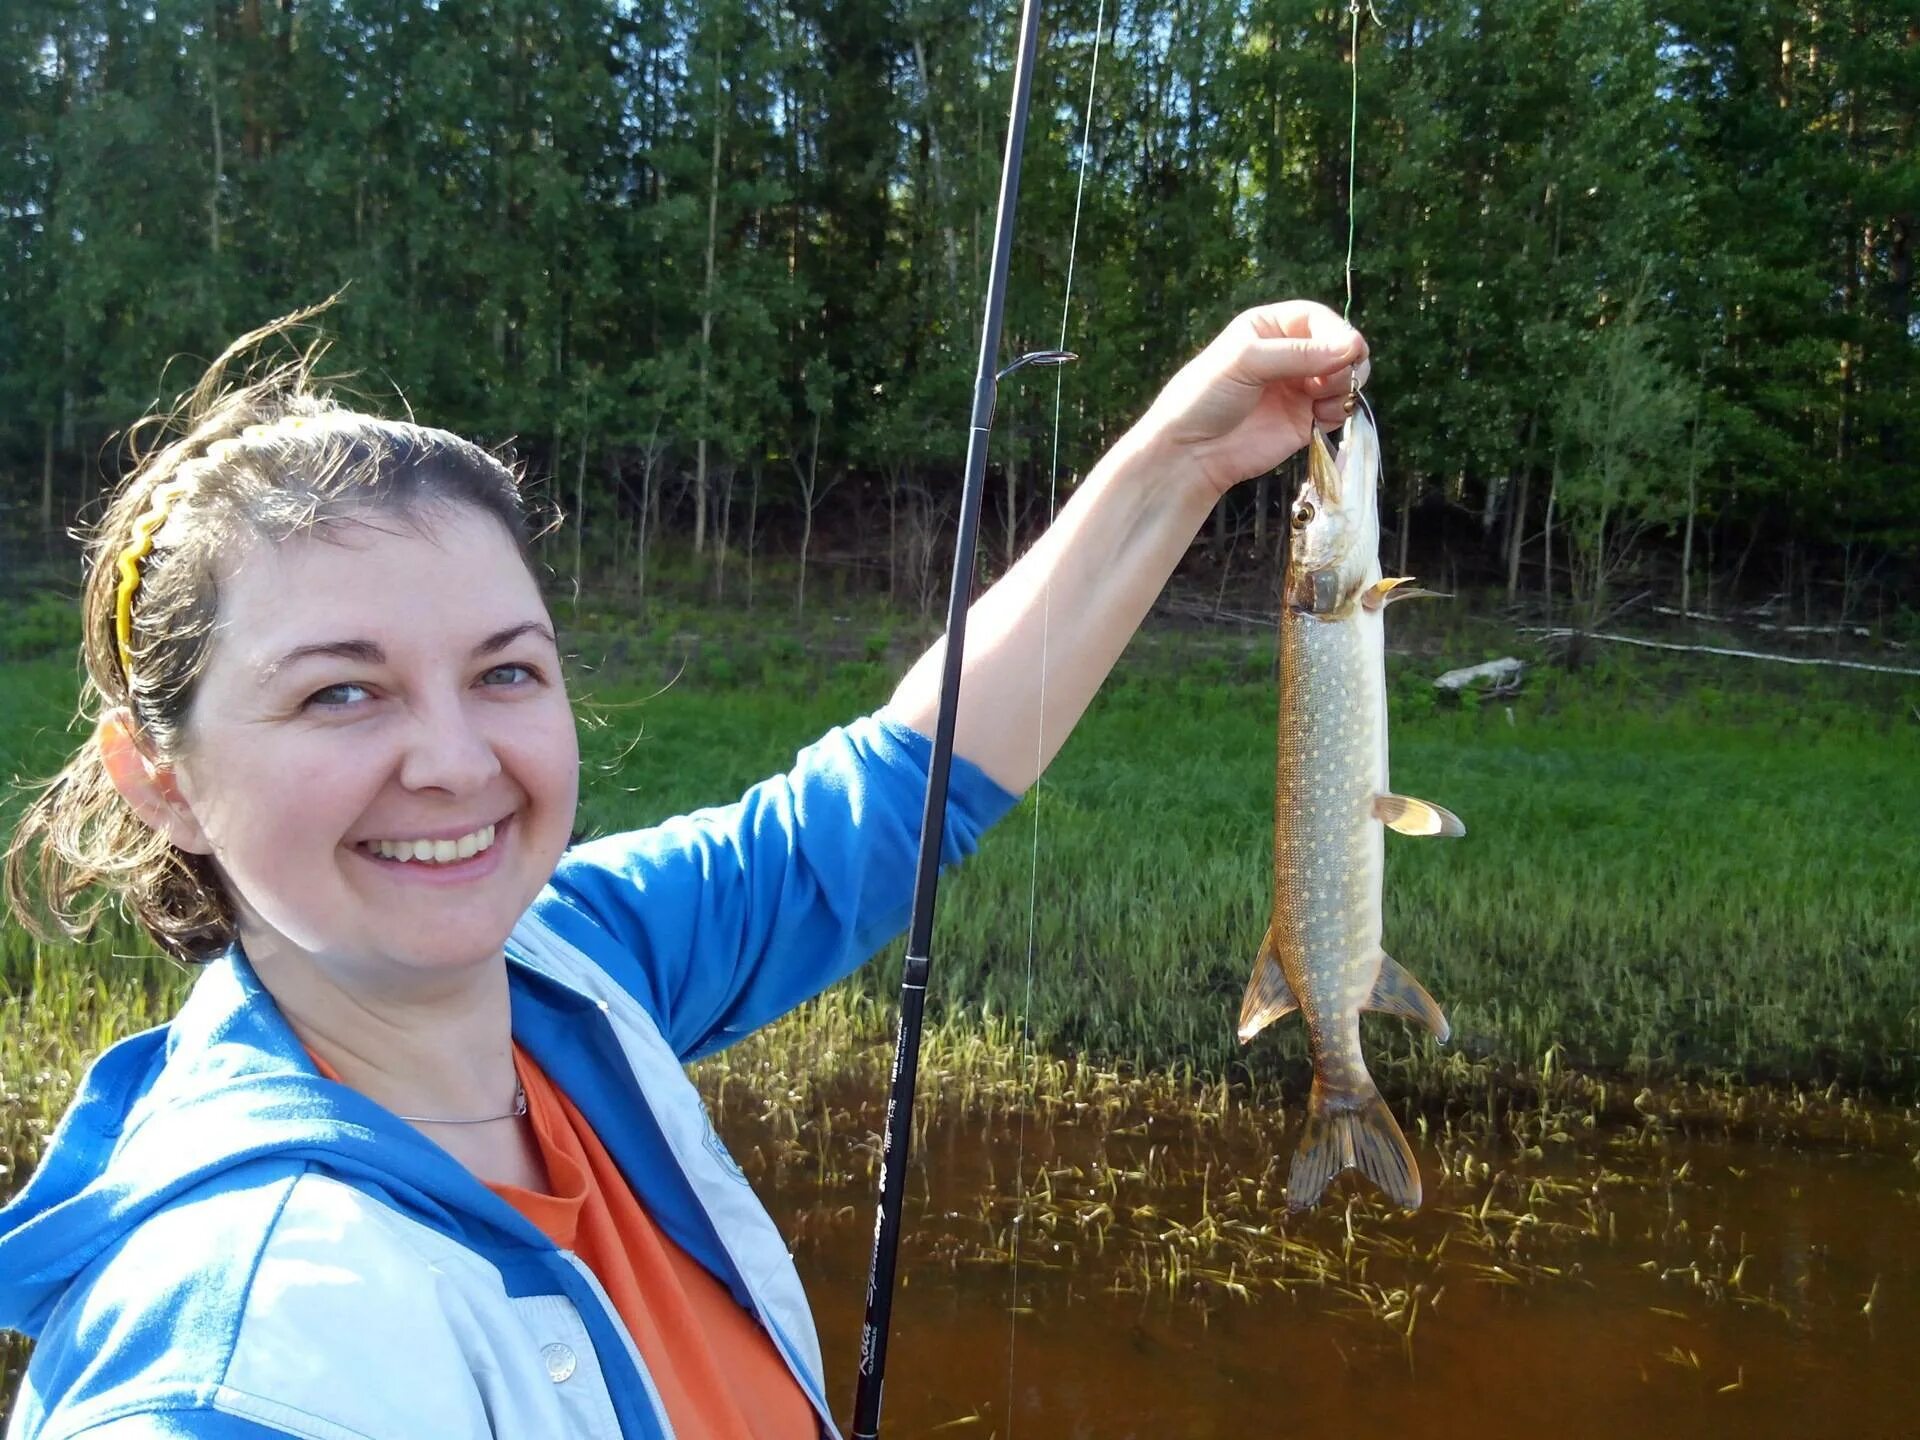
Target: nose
[448, 748]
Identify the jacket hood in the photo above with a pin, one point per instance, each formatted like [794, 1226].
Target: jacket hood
[226, 1084]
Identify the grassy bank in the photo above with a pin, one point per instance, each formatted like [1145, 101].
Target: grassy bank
[1670, 863]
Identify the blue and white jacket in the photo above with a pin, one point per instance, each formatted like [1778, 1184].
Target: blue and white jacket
[218, 1243]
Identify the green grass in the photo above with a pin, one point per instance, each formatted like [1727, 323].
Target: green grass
[1670, 865]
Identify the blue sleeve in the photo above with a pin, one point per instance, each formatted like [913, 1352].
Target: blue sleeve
[725, 919]
[180, 1425]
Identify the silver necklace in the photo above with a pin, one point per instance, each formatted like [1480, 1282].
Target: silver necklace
[519, 1109]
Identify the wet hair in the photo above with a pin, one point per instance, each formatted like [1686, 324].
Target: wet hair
[256, 451]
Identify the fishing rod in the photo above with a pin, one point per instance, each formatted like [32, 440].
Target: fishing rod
[919, 961]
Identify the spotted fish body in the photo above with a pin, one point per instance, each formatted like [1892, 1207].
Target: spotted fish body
[1322, 952]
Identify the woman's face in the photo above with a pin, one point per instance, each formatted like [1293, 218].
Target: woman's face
[382, 685]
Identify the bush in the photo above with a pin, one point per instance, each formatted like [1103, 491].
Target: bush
[45, 624]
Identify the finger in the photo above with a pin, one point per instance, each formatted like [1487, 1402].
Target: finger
[1338, 383]
[1268, 360]
[1294, 320]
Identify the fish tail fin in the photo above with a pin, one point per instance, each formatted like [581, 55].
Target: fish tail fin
[1348, 1132]
[1268, 995]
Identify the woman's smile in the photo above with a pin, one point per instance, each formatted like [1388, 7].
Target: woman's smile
[458, 871]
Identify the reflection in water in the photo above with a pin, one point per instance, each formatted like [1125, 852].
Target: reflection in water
[1690, 1264]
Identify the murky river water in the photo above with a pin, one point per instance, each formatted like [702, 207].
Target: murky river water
[1697, 1263]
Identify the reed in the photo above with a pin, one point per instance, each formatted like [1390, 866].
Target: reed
[1669, 870]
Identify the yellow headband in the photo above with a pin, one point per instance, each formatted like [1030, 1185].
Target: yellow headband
[130, 558]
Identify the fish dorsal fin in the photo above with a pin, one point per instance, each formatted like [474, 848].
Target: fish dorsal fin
[1398, 993]
[1406, 816]
[1268, 995]
[1383, 593]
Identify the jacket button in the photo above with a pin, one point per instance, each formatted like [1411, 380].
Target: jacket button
[560, 1362]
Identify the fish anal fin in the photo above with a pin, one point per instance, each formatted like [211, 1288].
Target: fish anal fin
[1406, 816]
[1398, 993]
[1383, 593]
[1268, 995]
[1352, 1133]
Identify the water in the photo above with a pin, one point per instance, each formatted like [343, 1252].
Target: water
[1603, 1261]
[1718, 1264]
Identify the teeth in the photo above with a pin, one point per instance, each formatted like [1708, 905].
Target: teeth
[437, 852]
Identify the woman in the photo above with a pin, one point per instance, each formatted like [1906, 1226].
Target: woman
[418, 1156]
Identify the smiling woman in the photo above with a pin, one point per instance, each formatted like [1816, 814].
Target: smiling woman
[419, 1155]
[241, 471]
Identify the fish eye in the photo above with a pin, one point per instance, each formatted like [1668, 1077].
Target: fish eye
[1303, 514]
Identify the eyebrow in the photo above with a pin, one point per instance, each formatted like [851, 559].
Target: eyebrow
[370, 653]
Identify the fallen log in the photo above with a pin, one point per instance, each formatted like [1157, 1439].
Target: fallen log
[1859, 632]
[1503, 673]
[1547, 633]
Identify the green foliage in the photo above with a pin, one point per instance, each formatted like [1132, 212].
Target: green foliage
[1619, 424]
[45, 623]
[660, 235]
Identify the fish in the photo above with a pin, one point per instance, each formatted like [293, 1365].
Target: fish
[1332, 807]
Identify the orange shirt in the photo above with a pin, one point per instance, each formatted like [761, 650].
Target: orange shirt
[717, 1371]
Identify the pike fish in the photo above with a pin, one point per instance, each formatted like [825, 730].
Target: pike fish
[1332, 807]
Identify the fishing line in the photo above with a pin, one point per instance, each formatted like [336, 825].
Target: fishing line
[1040, 741]
[1353, 135]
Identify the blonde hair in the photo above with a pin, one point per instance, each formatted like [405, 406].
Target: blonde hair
[256, 450]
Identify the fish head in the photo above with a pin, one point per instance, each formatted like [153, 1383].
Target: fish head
[1333, 550]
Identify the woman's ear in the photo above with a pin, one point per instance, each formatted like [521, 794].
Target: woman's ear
[150, 789]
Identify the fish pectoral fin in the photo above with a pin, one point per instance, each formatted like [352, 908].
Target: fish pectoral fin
[1406, 816]
[1268, 995]
[1352, 1133]
[1398, 993]
[1383, 593]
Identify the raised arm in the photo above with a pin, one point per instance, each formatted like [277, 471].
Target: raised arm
[1243, 405]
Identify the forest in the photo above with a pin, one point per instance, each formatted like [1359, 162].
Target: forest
[1638, 274]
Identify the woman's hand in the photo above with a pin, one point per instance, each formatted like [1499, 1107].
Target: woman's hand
[1251, 398]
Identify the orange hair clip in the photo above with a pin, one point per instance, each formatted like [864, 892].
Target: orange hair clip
[144, 530]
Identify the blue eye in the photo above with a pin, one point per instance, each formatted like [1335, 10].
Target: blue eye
[315, 700]
[526, 670]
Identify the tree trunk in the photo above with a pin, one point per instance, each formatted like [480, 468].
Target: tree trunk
[640, 542]
[1553, 493]
[1598, 594]
[1517, 530]
[46, 476]
[893, 537]
[1013, 511]
[1740, 565]
[938, 200]
[251, 131]
[553, 466]
[1406, 525]
[706, 318]
[219, 149]
[1686, 544]
[810, 492]
[753, 525]
[723, 527]
[580, 518]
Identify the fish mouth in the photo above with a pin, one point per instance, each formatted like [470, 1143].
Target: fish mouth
[1334, 530]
